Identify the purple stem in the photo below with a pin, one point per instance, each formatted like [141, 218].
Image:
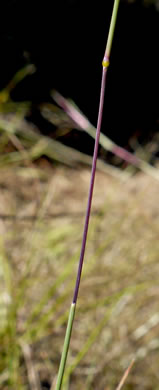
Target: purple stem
[125, 155]
[100, 113]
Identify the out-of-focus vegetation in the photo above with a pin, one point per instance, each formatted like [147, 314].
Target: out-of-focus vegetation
[41, 221]
[42, 209]
[147, 2]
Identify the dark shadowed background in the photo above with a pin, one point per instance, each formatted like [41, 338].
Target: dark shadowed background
[66, 42]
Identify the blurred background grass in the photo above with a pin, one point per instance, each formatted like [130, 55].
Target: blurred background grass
[43, 195]
[117, 316]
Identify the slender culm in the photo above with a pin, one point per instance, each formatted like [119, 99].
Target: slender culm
[105, 65]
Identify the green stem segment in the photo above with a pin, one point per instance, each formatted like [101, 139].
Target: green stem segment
[79, 272]
[112, 28]
[65, 347]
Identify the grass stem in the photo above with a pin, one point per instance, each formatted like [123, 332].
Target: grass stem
[126, 373]
[105, 65]
[65, 346]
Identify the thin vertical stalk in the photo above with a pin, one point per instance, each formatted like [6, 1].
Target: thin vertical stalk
[112, 28]
[126, 373]
[94, 163]
[105, 65]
